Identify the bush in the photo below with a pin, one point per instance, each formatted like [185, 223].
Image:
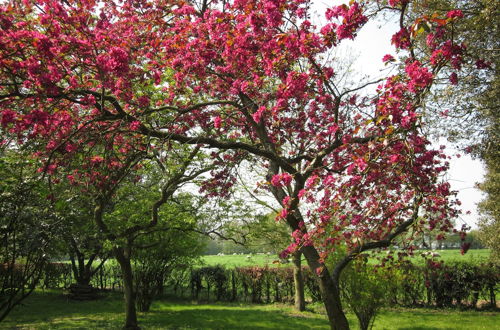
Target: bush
[364, 290]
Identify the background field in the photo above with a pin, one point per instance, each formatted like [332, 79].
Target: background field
[246, 260]
[52, 310]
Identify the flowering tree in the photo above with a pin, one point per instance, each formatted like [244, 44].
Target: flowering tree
[245, 78]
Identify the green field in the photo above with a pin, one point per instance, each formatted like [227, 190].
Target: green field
[245, 260]
[52, 310]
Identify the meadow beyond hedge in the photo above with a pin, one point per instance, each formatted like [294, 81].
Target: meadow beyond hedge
[262, 259]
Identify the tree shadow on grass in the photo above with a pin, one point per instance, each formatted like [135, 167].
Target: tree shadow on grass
[47, 310]
[50, 309]
[229, 318]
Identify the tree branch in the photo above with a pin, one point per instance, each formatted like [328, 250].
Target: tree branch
[378, 244]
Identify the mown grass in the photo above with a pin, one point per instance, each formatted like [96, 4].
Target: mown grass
[245, 260]
[52, 310]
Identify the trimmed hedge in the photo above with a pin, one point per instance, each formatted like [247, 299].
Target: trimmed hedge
[439, 284]
[454, 284]
[247, 284]
[451, 284]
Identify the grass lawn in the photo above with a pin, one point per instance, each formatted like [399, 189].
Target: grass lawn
[244, 260]
[231, 261]
[471, 255]
[51, 310]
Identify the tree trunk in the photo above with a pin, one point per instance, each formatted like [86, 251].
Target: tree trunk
[123, 259]
[329, 289]
[298, 281]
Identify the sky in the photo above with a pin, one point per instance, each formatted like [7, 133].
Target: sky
[371, 44]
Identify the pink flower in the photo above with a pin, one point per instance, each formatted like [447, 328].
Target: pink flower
[276, 180]
[116, 61]
[301, 12]
[361, 164]
[70, 147]
[401, 39]
[257, 116]
[482, 64]
[388, 58]
[134, 126]
[356, 220]
[453, 78]
[393, 159]
[157, 77]
[464, 248]
[217, 122]
[420, 77]
[286, 178]
[143, 101]
[394, 3]
[96, 160]
[279, 180]
[457, 13]
[282, 215]
[8, 116]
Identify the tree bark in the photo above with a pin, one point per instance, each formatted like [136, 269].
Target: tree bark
[298, 281]
[123, 257]
[329, 289]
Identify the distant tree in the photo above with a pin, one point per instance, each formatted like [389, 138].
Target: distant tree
[489, 224]
[174, 243]
[27, 229]
[267, 234]
[79, 237]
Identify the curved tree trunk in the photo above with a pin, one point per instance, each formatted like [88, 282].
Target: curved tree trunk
[329, 290]
[298, 281]
[123, 257]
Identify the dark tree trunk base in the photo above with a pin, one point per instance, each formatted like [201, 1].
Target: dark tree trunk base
[82, 292]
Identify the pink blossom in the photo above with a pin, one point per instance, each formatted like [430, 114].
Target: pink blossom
[388, 58]
[276, 180]
[8, 116]
[394, 3]
[464, 248]
[482, 64]
[279, 180]
[457, 13]
[420, 77]
[135, 125]
[453, 78]
[356, 220]
[257, 116]
[401, 39]
[217, 122]
[394, 159]
[143, 101]
[116, 61]
[96, 159]
[69, 147]
[361, 164]
[286, 178]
